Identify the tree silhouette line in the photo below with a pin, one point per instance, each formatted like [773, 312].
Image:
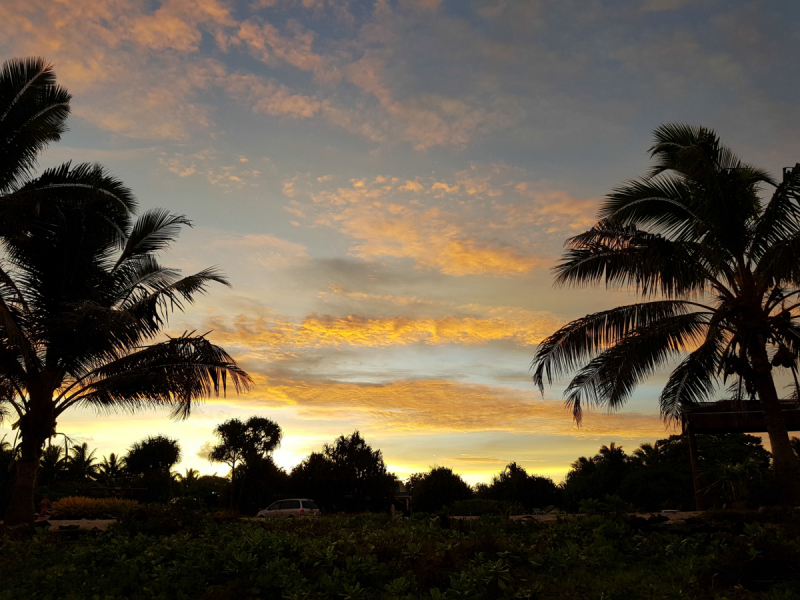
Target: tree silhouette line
[84, 300]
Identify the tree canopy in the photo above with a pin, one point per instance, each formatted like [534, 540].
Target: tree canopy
[718, 270]
[83, 296]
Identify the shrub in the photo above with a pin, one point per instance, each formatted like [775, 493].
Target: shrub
[477, 507]
[90, 508]
[160, 519]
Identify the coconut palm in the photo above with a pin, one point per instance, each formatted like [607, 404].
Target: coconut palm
[718, 270]
[52, 465]
[188, 480]
[82, 465]
[111, 469]
[83, 297]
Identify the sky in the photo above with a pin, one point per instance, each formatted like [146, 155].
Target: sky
[387, 184]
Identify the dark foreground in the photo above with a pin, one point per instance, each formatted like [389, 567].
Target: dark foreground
[722, 555]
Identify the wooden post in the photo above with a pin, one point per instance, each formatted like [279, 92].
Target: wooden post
[699, 496]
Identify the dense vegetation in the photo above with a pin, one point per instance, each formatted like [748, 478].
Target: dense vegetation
[714, 268]
[736, 556]
[350, 476]
[83, 295]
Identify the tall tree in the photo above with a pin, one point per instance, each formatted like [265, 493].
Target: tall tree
[246, 443]
[154, 454]
[718, 269]
[82, 464]
[111, 469]
[83, 297]
[52, 465]
[346, 475]
[150, 461]
[437, 488]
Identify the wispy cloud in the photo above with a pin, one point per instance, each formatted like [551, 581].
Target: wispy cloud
[432, 405]
[271, 334]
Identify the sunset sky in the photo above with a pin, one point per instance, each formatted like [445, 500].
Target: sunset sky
[387, 184]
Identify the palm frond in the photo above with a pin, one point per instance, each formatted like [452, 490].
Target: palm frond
[165, 299]
[694, 379]
[171, 374]
[661, 205]
[583, 338]
[155, 230]
[609, 378]
[780, 220]
[33, 112]
[625, 256]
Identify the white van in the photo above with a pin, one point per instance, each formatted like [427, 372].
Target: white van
[294, 507]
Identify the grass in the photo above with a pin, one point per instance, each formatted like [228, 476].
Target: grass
[373, 556]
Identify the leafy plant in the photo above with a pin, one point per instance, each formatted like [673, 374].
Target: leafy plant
[76, 507]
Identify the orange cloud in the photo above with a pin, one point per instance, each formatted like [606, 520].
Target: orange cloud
[436, 405]
[433, 238]
[273, 335]
[268, 44]
[268, 97]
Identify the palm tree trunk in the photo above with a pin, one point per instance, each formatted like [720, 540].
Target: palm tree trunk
[784, 460]
[21, 509]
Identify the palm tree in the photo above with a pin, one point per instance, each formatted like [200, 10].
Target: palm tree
[188, 480]
[646, 455]
[83, 297]
[82, 466]
[718, 269]
[110, 470]
[52, 465]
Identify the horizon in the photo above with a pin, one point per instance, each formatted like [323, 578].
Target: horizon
[387, 186]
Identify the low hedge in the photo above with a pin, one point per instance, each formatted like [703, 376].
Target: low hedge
[77, 507]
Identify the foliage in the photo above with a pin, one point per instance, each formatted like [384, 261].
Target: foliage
[439, 487]
[478, 507]
[246, 447]
[90, 508]
[261, 483]
[83, 296]
[248, 441]
[153, 454]
[52, 465]
[111, 470]
[82, 464]
[514, 485]
[373, 557]
[151, 461]
[658, 476]
[717, 269]
[347, 475]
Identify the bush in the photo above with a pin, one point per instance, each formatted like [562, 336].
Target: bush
[161, 519]
[373, 557]
[477, 507]
[90, 508]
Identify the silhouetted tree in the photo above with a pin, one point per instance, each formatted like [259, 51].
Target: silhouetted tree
[261, 483]
[7, 472]
[82, 465]
[721, 266]
[111, 470]
[439, 487]
[658, 476]
[346, 475]
[514, 485]
[83, 297]
[52, 466]
[249, 444]
[151, 460]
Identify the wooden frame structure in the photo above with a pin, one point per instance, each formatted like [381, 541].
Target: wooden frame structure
[729, 416]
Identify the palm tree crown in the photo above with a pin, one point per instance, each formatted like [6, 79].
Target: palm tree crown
[718, 269]
[83, 296]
